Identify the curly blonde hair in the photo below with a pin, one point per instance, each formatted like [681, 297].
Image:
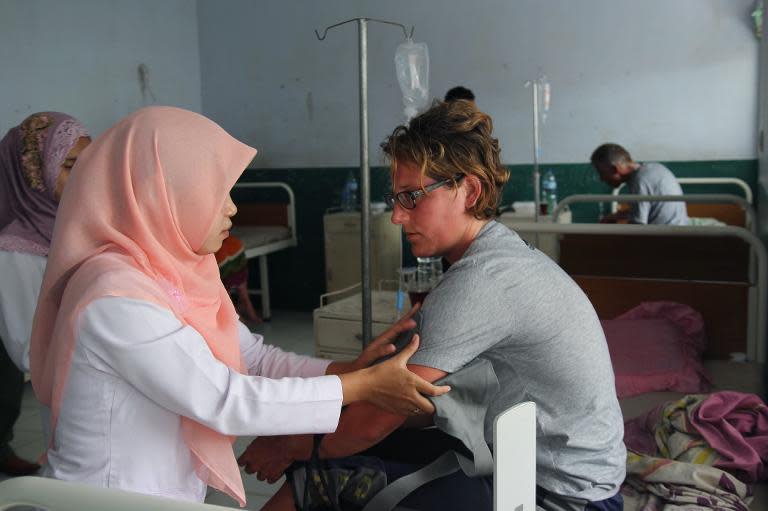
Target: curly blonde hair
[451, 139]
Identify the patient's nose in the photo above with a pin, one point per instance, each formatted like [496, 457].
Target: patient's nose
[399, 214]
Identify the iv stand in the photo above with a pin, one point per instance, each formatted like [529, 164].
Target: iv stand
[365, 172]
[534, 84]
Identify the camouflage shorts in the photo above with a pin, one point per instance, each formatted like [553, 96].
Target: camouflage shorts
[344, 484]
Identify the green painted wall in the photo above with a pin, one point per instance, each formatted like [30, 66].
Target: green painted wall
[297, 274]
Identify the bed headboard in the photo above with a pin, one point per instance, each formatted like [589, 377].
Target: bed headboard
[251, 213]
[730, 214]
[722, 304]
[710, 275]
[265, 204]
[659, 257]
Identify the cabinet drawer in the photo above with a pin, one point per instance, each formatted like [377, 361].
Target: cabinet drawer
[333, 334]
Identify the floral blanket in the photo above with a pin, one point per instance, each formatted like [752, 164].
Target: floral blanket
[655, 484]
[679, 452]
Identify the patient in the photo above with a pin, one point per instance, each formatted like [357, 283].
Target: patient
[233, 268]
[500, 301]
[615, 166]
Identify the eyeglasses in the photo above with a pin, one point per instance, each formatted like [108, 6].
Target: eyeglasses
[407, 198]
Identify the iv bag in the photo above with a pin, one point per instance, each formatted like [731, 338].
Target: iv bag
[544, 97]
[412, 66]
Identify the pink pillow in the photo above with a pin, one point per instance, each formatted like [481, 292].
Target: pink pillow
[657, 346]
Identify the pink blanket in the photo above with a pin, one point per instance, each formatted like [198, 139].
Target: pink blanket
[728, 430]
[736, 426]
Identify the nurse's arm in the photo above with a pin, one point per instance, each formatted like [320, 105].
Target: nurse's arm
[361, 426]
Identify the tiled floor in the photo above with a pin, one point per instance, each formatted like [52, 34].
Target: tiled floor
[290, 330]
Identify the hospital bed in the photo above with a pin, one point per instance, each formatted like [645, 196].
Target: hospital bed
[728, 208]
[620, 285]
[715, 181]
[726, 212]
[725, 266]
[695, 259]
[264, 227]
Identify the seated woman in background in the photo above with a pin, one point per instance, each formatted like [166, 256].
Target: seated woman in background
[35, 159]
[136, 346]
[233, 267]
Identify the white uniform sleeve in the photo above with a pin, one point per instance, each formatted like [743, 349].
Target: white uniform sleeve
[20, 277]
[171, 365]
[265, 360]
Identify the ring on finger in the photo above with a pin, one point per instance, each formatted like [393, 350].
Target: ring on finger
[416, 411]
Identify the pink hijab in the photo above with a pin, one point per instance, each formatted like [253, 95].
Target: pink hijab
[31, 155]
[141, 203]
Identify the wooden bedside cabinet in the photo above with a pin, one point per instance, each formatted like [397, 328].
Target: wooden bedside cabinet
[342, 249]
[338, 325]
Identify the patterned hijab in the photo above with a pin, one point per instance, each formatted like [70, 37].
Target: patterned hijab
[130, 224]
[31, 155]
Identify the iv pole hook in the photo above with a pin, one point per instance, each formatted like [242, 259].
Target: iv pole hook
[405, 30]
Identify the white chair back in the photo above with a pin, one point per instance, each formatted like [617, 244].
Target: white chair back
[514, 454]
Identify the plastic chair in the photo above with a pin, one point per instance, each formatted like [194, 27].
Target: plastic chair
[55, 495]
[514, 455]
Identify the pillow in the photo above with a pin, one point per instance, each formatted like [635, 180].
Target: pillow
[657, 347]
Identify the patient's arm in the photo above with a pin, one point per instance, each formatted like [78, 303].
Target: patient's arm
[620, 217]
[361, 426]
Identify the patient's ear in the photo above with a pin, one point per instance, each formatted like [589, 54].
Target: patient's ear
[473, 189]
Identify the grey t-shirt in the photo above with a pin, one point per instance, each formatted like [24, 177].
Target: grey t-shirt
[512, 305]
[656, 179]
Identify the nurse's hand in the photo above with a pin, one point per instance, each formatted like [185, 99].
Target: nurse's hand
[392, 386]
[382, 345]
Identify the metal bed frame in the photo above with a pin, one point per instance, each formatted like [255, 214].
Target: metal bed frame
[702, 181]
[756, 340]
[262, 251]
[712, 198]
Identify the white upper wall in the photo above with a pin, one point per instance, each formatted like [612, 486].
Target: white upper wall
[83, 57]
[669, 80]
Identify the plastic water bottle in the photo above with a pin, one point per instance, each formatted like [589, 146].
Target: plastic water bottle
[349, 193]
[548, 192]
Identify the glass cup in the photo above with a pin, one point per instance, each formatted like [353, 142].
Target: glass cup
[429, 270]
[419, 281]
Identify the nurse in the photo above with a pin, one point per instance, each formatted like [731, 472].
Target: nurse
[136, 346]
[35, 160]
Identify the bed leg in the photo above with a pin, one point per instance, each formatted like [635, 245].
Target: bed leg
[266, 313]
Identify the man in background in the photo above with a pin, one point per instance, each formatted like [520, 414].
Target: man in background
[615, 166]
[460, 93]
